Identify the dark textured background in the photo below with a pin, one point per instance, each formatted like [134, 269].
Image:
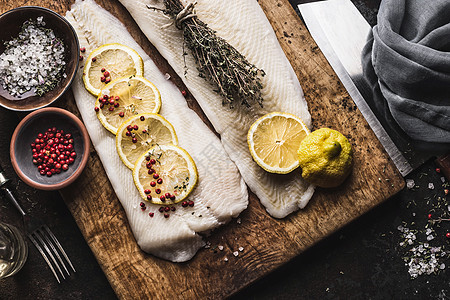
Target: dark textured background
[361, 261]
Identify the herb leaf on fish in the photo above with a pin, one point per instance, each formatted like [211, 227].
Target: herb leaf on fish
[234, 77]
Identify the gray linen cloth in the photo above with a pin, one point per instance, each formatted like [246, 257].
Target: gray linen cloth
[407, 64]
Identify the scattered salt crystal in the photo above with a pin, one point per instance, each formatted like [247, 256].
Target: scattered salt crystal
[239, 221]
[220, 247]
[442, 266]
[410, 183]
[225, 259]
[430, 237]
[241, 249]
[167, 76]
[235, 253]
[431, 186]
[208, 245]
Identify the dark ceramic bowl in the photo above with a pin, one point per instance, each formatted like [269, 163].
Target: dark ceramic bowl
[25, 134]
[10, 24]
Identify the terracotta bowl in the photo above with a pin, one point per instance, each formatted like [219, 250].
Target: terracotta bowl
[25, 134]
[10, 24]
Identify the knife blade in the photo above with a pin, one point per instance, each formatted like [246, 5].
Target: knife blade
[341, 32]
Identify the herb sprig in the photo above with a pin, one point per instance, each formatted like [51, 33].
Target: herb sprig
[234, 77]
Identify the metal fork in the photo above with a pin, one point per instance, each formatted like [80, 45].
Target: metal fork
[41, 237]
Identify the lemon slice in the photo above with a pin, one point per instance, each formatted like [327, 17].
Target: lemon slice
[140, 133]
[126, 97]
[110, 61]
[274, 139]
[165, 174]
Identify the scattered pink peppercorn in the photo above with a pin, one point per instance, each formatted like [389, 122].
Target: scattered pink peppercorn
[149, 197]
[166, 215]
[122, 114]
[158, 191]
[103, 70]
[429, 216]
[83, 49]
[447, 235]
[159, 181]
[184, 93]
[81, 57]
[151, 214]
[96, 109]
[152, 184]
[94, 59]
[438, 170]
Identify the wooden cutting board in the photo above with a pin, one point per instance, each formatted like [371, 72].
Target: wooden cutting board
[266, 242]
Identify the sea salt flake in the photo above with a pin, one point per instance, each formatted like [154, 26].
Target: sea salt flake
[241, 249]
[431, 186]
[443, 179]
[167, 76]
[410, 183]
[220, 247]
[225, 259]
[235, 253]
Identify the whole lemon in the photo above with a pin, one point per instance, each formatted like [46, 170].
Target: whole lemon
[326, 157]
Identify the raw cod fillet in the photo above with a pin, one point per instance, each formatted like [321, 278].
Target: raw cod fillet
[243, 24]
[220, 193]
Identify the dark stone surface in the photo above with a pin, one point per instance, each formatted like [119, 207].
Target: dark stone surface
[361, 261]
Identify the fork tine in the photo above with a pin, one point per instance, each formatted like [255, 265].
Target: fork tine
[44, 256]
[59, 246]
[50, 243]
[48, 252]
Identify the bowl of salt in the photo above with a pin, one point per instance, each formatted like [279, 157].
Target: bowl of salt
[39, 55]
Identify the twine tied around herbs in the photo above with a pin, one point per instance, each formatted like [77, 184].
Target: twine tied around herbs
[217, 61]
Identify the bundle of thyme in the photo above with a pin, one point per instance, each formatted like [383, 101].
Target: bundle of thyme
[217, 61]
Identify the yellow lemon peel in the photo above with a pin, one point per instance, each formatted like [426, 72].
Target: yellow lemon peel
[326, 158]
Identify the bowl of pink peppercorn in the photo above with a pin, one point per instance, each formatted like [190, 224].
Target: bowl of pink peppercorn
[49, 148]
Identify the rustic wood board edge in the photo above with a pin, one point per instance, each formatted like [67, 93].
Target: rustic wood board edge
[268, 243]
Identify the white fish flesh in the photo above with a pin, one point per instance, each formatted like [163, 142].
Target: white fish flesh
[220, 193]
[243, 24]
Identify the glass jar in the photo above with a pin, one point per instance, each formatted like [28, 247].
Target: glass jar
[13, 250]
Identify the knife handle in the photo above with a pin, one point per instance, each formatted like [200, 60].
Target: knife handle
[444, 164]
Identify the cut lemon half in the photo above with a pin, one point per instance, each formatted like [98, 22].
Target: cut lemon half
[165, 174]
[274, 139]
[108, 62]
[126, 97]
[140, 133]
